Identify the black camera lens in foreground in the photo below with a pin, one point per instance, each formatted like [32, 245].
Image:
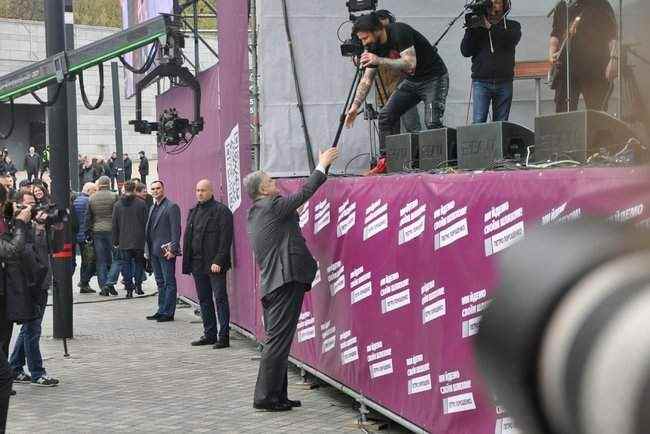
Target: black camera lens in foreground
[565, 345]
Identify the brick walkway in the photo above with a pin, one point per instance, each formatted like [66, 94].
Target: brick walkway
[128, 374]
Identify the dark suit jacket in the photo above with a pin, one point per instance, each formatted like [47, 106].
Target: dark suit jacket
[215, 233]
[280, 249]
[165, 229]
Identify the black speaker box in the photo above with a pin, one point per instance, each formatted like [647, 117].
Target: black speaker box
[437, 147]
[401, 152]
[578, 135]
[481, 145]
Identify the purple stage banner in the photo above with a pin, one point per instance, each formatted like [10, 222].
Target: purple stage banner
[407, 265]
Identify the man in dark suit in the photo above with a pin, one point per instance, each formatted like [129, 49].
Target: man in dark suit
[143, 168]
[128, 167]
[163, 237]
[287, 271]
[206, 256]
[32, 164]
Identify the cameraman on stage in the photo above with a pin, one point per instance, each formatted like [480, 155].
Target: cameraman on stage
[491, 44]
[401, 48]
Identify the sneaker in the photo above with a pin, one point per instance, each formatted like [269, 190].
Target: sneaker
[22, 378]
[45, 382]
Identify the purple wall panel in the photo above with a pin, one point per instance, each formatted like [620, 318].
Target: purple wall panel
[225, 105]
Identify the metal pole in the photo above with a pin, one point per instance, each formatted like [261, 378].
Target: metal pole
[619, 53]
[255, 94]
[58, 139]
[117, 114]
[197, 66]
[538, 96]
[71, 94]
[568, 57]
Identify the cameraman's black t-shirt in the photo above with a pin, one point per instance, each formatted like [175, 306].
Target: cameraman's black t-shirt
[401, 37]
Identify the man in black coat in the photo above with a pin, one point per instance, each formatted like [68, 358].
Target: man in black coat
[143, 168]
[163, 237]
[128, 233]
[32, 164]
[128, 167]
[287, 271]
[206, 256]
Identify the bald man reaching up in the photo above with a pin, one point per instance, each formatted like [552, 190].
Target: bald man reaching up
[206, 256]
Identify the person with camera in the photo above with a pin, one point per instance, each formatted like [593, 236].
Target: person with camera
[593, 63]
[12, 245]
[401, 48]
[287, 271]
[28, 280]
[389, 79]
[491, 44]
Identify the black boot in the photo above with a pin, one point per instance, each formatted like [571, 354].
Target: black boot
[129, 293]
[104, 292]
[138, 290]
[111, 289]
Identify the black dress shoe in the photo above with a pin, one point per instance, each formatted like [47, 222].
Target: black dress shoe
[293, 403]
[222, 343]
[203, 341]
[165, 318]
[272, 406]
[138, 290]
[154, 316]
[129, 293]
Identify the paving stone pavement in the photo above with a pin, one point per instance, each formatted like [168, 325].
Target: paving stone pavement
[127, 374]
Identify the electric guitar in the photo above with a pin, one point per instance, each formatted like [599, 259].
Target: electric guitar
[558, 69]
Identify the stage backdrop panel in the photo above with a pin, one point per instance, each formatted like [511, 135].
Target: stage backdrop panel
[326, 77]
[221, 153]
[407, 265]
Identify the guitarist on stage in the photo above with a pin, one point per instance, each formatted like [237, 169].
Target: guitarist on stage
[591, 43]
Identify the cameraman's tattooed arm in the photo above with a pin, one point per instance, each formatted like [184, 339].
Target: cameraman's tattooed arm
[407, 62]
[364, 86]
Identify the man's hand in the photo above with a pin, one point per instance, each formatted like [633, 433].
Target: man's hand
[486, 23]
[369, 59]
[611, 73]
[216, 269]
[25, 215]
[351, 115]
[328, 157]
[554, 57]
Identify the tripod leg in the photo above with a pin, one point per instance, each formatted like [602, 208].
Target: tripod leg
[353, 90]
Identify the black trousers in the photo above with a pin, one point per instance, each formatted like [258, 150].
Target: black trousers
[281, 312]
[594, 91]
[6, 373]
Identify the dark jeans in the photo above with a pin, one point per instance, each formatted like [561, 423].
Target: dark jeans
[211, 289]
[27, 347]
[6, 380]
[281, 312]
[88, 270]
[165, 274]
[411, 121]
[408, 94]
[104, 254]
[594, 91]
[122, 260]
[497, 94]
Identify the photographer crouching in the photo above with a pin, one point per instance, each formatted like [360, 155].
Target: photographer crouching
[401, 48]
[490, 40]
[12, 247]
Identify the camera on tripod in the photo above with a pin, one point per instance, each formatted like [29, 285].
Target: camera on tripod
[353, 47]
[478, 11]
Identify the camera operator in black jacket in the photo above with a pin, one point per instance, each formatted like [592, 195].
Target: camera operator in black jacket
[12, 245]
[491, 45]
